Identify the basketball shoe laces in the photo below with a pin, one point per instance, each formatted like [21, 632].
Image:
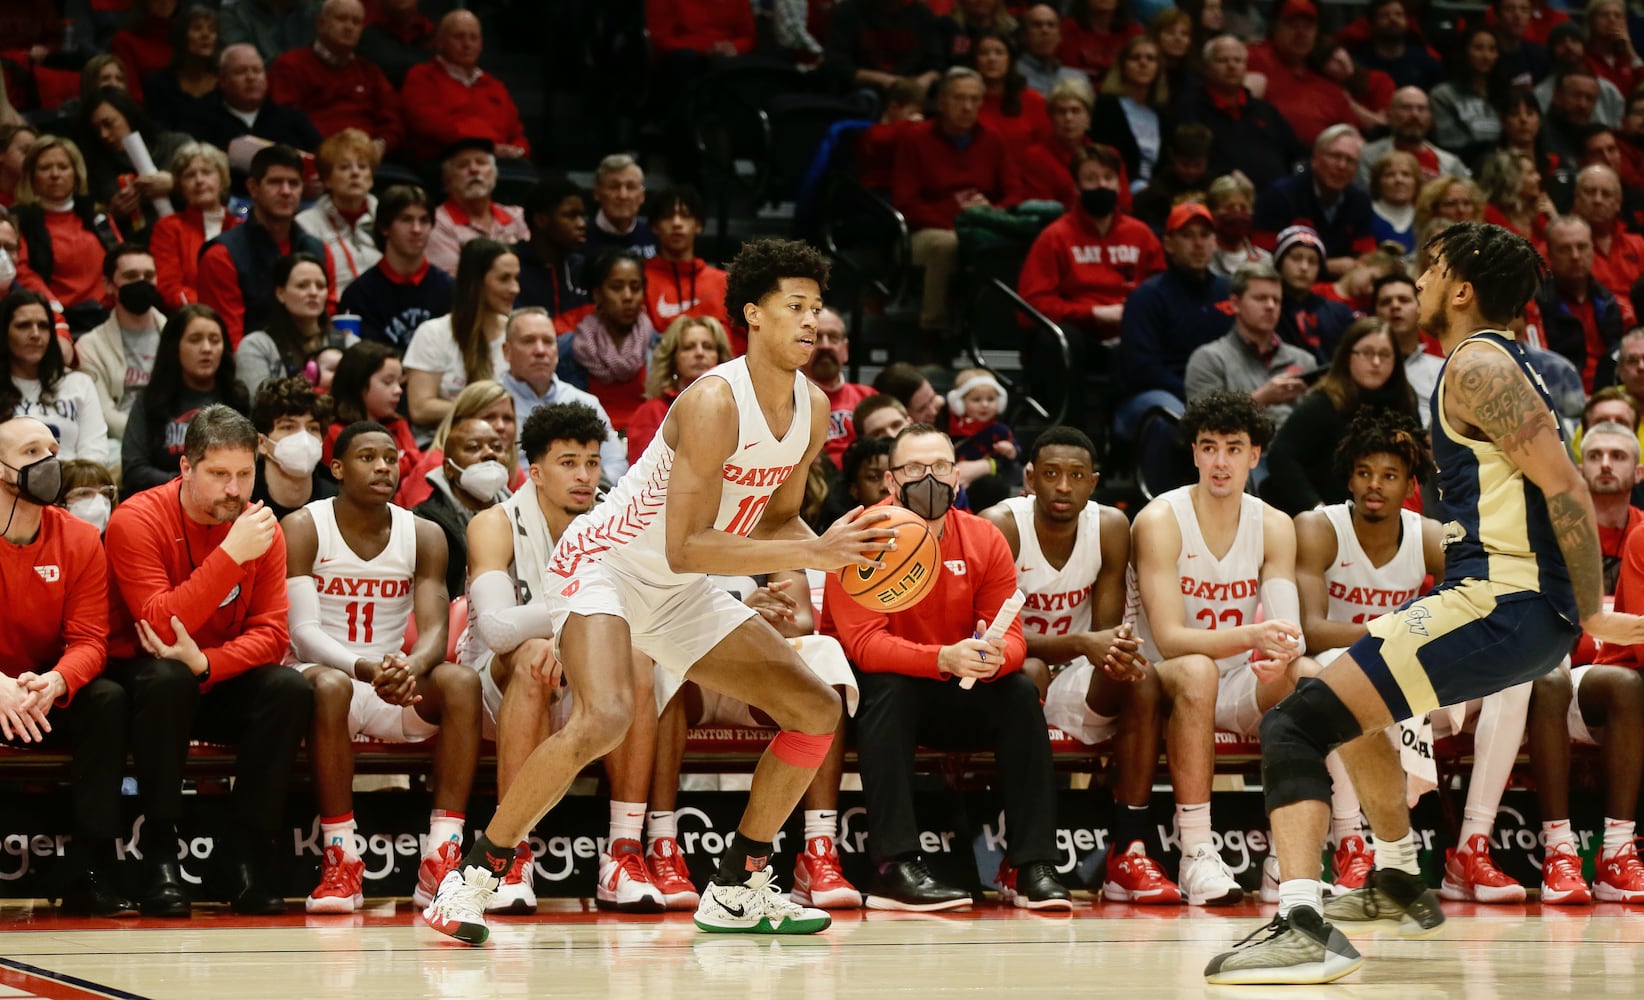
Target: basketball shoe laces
[1481, 868]
[825, 866]
[1142, 869]
[670, 867]
[1359, 865]
[1567, 864]
[759, 897]
[464, 902]
[633, 864]
[337, 877]
[1630, 865]
[520, 871]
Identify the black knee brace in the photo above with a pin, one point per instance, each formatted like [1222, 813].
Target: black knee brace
[1296, 735]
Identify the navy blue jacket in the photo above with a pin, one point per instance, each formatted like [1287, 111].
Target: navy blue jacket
[1166, 319]
[1314, 323]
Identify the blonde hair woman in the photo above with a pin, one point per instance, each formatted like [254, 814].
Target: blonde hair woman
[691, 346]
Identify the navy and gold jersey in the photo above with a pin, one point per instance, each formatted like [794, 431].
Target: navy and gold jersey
[1496, 523]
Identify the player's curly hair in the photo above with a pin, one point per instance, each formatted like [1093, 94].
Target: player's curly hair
[292, 396]
[1503, 267]
[1226, 412]
[560, 422]
[1377, 430]
[761, 265]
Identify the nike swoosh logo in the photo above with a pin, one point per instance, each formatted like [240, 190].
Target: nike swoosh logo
[1346, 564]
[735, 911]
[747, 446]
[1193, 555]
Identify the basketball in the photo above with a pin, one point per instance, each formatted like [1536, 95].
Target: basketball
[910, 569]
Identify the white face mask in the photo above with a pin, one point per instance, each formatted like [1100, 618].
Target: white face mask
[483, 480]
[8, 270]
[297, 454]
[93, 510]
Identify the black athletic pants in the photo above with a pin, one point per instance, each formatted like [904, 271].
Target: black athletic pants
[94, 728]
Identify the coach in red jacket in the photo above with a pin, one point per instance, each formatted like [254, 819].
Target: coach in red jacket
[335, 87]
[52, 652]
[450, 98]
[198, 631]
[910, 665]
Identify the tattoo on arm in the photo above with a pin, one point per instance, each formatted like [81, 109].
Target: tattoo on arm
[1499, 400]
[1573, 526]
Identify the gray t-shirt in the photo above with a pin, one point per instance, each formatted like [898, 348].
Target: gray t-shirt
[140, 346]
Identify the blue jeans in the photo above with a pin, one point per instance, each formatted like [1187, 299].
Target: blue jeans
[1132, 410]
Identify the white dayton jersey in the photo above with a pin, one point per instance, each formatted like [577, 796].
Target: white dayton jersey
[1360, 591]
[533, 544]
[1058, 600]
[629, 529]
[365, 604]
[1216, 593]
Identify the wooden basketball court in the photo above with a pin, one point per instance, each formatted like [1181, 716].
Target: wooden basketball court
[571, 950]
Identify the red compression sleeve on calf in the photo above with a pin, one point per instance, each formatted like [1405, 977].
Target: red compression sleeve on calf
[801, 749]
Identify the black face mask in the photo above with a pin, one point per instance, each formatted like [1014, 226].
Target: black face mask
[40, 481]
[1099, 203]
[929, 497]
[138, 297]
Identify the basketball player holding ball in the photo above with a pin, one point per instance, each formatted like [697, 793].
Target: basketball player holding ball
[717, 491]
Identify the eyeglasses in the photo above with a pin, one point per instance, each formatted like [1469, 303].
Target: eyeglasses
[907, 471]
[87, 492]
[1632, 360]
[1384, 357]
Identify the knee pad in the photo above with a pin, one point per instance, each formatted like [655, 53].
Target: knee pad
[801, 749]
[1296, 735]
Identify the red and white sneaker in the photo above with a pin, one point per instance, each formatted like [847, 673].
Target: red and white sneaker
[1620, 876]
[1471, 875]
[817, 880]
[671, 876]
[1561, 881]
[342, 880]
[436, 864]
[518, 893]
[624, 884]
[1133, 877]
[1350, 865]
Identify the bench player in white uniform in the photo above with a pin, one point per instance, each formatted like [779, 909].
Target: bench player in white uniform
[508, 551]
[358, 569]
[1071, 556]
[783, 599]
[718, 490]
[1355, 562]
[1205, 557]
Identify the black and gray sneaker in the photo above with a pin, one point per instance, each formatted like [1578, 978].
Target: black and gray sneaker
[1393, 897]
[1298, 949]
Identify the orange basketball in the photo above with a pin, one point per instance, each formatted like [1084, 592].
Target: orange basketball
[910, 569]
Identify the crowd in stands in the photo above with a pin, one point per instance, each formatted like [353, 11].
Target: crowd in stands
[232, 236]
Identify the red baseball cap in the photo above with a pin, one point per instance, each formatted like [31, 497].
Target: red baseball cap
[1297, 8]
[1188, 211]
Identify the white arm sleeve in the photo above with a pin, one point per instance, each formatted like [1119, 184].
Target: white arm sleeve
[1280, 600]
[308, 640]
[500, 622]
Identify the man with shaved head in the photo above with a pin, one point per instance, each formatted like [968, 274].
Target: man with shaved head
[52, 688]
[1618, 256]
[333, 85]
[450, 97]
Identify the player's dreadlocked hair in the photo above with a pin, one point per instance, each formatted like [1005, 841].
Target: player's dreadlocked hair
[1225, 412]
[1376, 430]
[761, 264]
[1503, 267]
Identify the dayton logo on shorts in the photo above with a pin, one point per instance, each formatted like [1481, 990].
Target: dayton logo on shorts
[568, 591]
[1416, 620]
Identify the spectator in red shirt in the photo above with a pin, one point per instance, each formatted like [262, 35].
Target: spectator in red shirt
[62, 234]
[1618, 256]
[875, 146]
[1610, 51]
[677, 281]
[1248, 134]
[234, 267]
[143, 46]
[1309, 101]
[335, 87]
[1093, 33]
[1010, 108]
[198, 630]
[1085, 264]
[450, 97]
[827, 369]
[874, 43]
[706, 27]
[1047, 168]
[910, 664]
[397, 37]
[52, 689]
[942, 167]
[689, 348]
[201, 171]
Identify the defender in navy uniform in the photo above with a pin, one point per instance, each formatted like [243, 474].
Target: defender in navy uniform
[1523, 575]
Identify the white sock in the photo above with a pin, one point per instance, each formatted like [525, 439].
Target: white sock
[1496, 740]
[1398, 855]
[1618, 835]
[627, 820]
[1193, 826]
[821, 823]
[1344, 802]
[443, 827]
[660, 825]
[1557, 832]
[340, 833]
[1473, 825]
[1303, 892]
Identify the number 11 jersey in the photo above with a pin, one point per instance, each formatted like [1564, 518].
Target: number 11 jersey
[1216, 593]
[364, 603]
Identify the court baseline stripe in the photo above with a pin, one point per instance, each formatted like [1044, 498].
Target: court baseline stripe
[55, 985]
